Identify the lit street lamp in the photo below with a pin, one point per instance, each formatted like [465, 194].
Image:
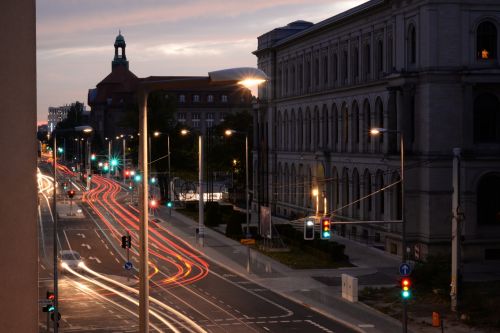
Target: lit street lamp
[230, 132]
[379, 131]
[228, 76]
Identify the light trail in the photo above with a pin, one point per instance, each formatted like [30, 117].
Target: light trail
[152, 299]
[122, 295]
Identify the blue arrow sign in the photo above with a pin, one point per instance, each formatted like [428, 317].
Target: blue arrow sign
[404, 269]
[128, 265]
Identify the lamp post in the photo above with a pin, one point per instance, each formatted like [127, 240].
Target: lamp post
[230, 132]
[228, 76]
[157, 134]
[378, 131]
[315, 193]
[109, 157]
[201, 216]
[84, 129]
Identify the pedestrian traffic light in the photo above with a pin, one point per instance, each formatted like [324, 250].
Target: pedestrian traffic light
[106, 167]
[65, 186]
[309, 229]
[71, 194]
[405, 288]
[93, 157]
[326, 228]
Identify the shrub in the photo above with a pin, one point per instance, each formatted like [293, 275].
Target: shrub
[213, 216]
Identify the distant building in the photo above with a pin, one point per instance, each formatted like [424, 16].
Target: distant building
[201, 107]
[59, 113]
[427, 69]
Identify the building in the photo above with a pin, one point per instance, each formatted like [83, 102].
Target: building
[19, 223]
[200, 107]
[426, 69]
[59, 113]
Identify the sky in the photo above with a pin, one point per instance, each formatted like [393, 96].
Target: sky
[164, 37]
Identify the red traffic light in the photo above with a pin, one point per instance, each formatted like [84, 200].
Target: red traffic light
[153, 203]
[326, 226]
[127, 173]
[51, 296]
[71, 193]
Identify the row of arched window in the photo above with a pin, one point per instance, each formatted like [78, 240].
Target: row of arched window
[348, 191]
[341, 127]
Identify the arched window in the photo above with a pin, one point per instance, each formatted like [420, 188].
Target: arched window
[486, 118]
[488, 200]
[486, 44]
[412, 45]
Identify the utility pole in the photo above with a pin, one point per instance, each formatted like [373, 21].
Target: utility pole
[455, 231]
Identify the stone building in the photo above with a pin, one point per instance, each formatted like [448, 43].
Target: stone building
[426, 70]
[200, 107]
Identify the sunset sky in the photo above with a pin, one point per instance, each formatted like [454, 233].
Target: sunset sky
[164, 37]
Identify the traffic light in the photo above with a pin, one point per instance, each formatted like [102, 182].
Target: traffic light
[153, 203]
[170, 204]
[71, 194]
[49, 307]
[106, 166]
[60, 150]
[127, 173]
[137, 178]
[126, 242]
[114, 162]
[65, 186]
[326, 228]
[93, 157]
[153, 180]
[309, 229]
[405, 288]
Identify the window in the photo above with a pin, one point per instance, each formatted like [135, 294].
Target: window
[195, 118]
[222, 116]
[335, 67]
[368, 62]
[181, 117]
[486, 118]
[355, 63]
[389, 55]
[412, 45]
[293, 80]
[308, 75]
[196, 98]
[380, 58]
[301, 77]
[344, 67]
[182, 98]
[486, 41]
[488, 200]
[316, 71]
[210, 98]
[325, 69]
[210, 119]
[224, 98]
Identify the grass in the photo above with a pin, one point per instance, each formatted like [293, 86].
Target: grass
[297, 259]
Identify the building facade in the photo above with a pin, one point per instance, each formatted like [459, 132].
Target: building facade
[59, 113]
[201, 107]
[428, 71]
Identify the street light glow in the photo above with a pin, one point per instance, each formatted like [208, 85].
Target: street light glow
[184, 132]
[377, 131]
[228, 132]
[315, 192]
[156, 133]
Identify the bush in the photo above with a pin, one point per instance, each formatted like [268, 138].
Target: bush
[233, 229]
[213, 216]
[192, 206]
[433, 274]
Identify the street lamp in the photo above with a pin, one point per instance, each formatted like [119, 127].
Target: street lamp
[124, 137]
[157, 134]
[378, 131]
[315, 193]
[230, 132]
[84, 129]
[227, 76]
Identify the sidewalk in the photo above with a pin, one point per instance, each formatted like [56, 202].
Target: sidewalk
[319, 289]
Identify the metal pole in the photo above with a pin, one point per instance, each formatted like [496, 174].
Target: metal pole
[124, 160]
[89, 167]
[200, 191]
[143, 219]
[246, 186]
[109, 158]
[54, 209]
[455, 227]
[168, 152]
[403, 232]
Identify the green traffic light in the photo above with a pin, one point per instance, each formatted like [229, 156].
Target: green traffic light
[405, 294]
[153, 180]
[137, 178]
[114, 162]
[106, 168]
[170, 204]
[92, 157]
[60, 150]
[51, 308]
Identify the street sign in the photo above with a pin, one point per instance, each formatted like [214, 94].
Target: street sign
[404, 269]
[128, 266]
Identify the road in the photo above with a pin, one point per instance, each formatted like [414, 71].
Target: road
[189, 292]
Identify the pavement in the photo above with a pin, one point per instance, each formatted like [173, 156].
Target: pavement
[318, 289]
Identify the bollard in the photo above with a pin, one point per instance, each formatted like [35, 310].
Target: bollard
[436, 320]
